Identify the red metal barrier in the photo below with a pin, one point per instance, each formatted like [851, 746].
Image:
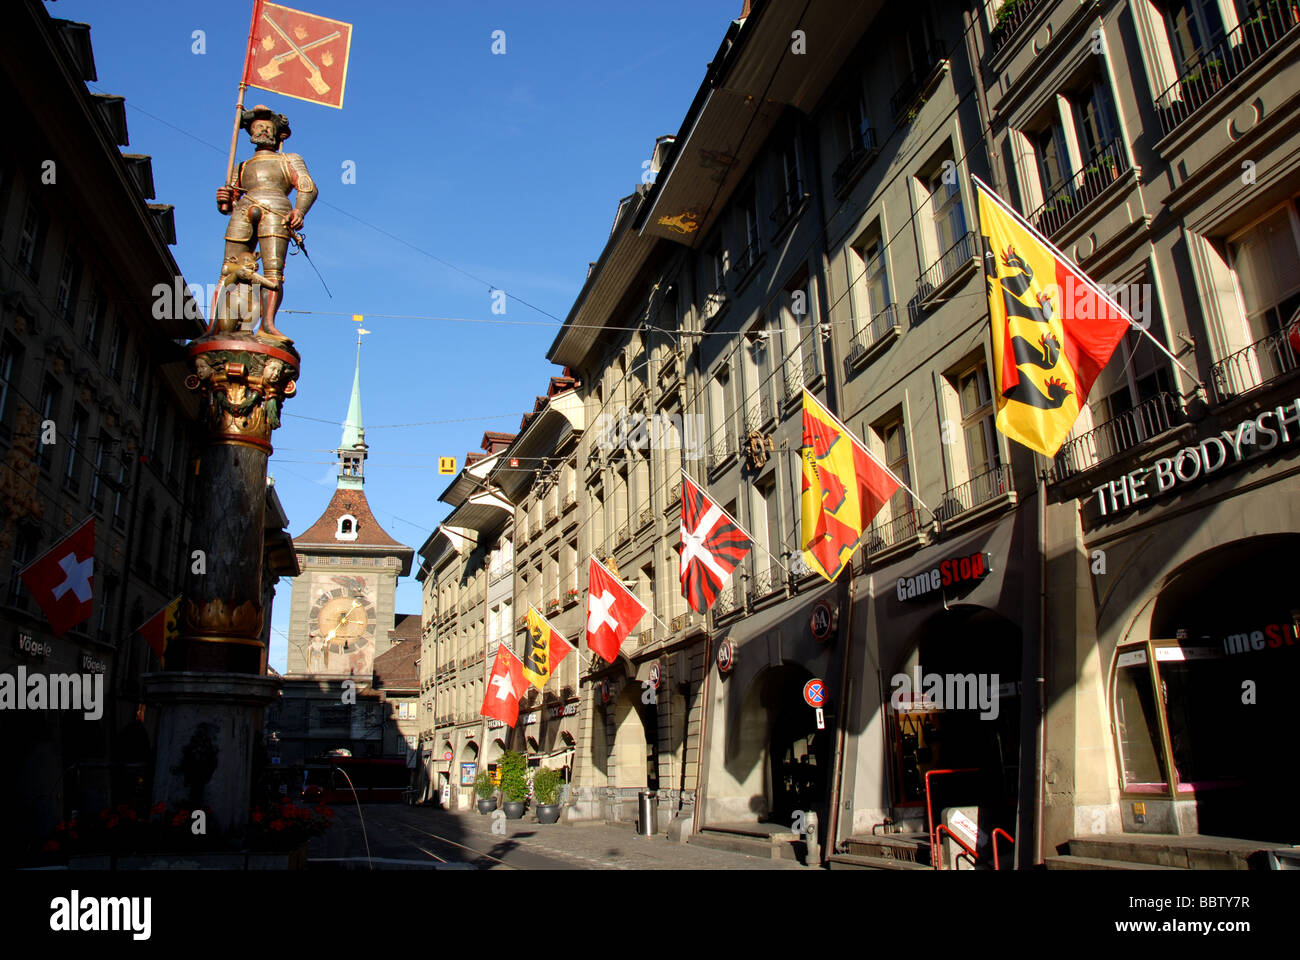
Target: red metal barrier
[929, 811]
[1010, 839]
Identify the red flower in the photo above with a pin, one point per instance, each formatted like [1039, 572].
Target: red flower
[112, 822]
[277, 824]
[257, 816]
[60, 827]
[180, 818]
[51, 845]
[158, 808]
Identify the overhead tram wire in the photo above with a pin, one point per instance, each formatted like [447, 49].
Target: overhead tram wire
[352, 216]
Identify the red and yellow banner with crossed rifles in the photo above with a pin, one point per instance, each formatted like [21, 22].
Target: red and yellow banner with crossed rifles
[298, 54]
[1053, 328]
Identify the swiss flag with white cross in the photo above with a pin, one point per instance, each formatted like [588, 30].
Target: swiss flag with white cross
[62, 580]
[505, 686]
[612, 611]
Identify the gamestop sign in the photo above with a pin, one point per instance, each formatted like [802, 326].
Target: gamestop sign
[1231, 447]
[950, 572]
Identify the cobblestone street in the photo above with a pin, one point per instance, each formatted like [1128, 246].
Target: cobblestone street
[413, 837]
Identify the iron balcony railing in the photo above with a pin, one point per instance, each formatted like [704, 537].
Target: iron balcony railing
[725, 603]
[952, 259]
[722, 447]
[862, 151]
[1075, 194]
[874, 330]
[1011, 15]
[788, 205]
[885, 535]
[974, 492]
[760, 413]
[1259, 364]
[1149, 419]
[768, 580]
[908, 95]
[1264, 25]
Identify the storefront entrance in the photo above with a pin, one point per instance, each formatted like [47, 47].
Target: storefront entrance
[779, 741]
[1205, 707]
[959, 709]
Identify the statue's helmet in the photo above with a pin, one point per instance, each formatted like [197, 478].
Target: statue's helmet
[261, 112]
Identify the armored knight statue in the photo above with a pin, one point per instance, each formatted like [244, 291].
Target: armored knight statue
[261, 217]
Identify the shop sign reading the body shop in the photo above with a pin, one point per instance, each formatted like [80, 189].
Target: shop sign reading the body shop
[1230, 447]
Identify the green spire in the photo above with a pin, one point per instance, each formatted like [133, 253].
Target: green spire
[352, 450]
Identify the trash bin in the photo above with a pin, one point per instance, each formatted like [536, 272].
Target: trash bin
[647, 821]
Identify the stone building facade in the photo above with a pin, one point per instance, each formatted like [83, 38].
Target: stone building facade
[813, 225]
[88, 359]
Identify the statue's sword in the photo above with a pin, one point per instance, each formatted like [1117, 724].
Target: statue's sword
[301, 241]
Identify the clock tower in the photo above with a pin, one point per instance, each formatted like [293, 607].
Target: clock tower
[342, 611]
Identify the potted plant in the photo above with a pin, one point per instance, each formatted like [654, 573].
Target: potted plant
[514, 783]
[546, 791]
[487, 802]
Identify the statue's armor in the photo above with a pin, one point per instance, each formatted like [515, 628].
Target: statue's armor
[266, 179]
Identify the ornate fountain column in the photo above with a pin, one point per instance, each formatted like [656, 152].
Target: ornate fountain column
[214, 689]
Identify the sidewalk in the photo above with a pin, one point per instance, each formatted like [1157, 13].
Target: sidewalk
[595, 845]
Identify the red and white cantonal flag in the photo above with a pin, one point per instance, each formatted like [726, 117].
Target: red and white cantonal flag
[506, 685]
[612, 611]
[61, 580]
[712, 546]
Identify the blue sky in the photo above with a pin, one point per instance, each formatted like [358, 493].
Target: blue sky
[506, 167]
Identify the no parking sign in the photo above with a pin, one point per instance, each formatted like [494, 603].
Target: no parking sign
[814, 694]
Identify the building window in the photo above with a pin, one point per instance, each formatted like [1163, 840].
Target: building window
[24, 547]
[869, 279]
[748, 222]
[106, 606]
[164, 552]
[893, 439]
[66, 294]
[116, 352]
[791, 186]
[94, 322]
[977, 420]
[136, 382]
[1053, 160]
[72, 465]
[10, 371]
[49, 411]
[119, 493]
[1095, 119]
[1266, 261]
[102, 443]
[946, 208]
[29, 242]
[1194, 27]
[799, 343]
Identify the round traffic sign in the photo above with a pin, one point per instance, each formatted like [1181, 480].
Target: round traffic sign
[814, 692]
[654, 674]
[447, 755]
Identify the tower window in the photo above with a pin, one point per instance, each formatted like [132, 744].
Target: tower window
[347, 529]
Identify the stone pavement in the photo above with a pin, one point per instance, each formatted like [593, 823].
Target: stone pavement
[438, 836]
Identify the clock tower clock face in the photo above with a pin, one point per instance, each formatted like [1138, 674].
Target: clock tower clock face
[342, 628]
